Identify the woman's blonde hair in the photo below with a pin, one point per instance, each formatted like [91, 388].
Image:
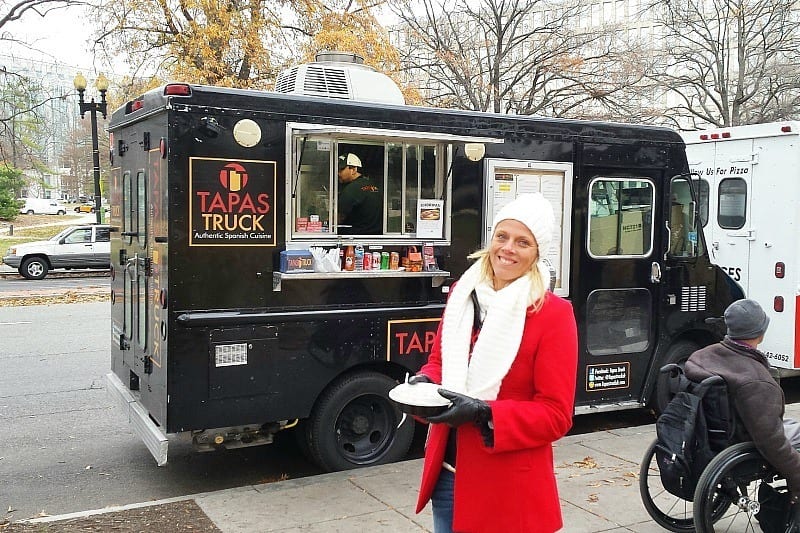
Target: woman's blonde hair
[538, 287]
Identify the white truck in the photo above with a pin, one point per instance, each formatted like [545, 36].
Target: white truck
[749, 183]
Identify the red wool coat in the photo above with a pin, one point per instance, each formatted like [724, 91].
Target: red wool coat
[511, 487]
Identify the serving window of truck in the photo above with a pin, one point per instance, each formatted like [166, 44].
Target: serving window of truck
[410, 170]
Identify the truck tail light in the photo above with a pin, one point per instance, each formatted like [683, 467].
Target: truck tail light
[726, 135]
[704, 137]
[177, 89]
[777, 304]
[162, 147]
[780, 270]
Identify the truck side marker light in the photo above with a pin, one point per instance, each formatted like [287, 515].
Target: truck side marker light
[726, 135]
[786, 129]
[704, 137]
[162, 147]
[177, 89]
[113, 297]
[162, 298]
[777, 304]
[715, 135]
[780, 270]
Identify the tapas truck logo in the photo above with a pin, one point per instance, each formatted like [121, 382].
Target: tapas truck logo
[232, 203]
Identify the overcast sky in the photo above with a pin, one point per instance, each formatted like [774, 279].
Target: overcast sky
[62, 35]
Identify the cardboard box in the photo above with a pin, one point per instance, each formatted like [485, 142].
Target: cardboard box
[297, 261]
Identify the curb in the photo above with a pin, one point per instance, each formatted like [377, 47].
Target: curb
[105, 510]
[56, 274]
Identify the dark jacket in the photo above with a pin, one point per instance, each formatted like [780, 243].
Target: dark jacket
[360, 208]
[757, 397]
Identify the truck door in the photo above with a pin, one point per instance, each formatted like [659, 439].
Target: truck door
[135, 272]
[617, 287]
[732, 234]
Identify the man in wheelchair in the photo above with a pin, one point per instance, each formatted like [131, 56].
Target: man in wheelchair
[756, 396]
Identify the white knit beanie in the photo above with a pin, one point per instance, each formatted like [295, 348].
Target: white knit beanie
[535, 211]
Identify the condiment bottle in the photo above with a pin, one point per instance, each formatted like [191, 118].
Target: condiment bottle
[349, 258]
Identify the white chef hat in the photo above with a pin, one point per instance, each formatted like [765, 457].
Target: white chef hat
[535, 211]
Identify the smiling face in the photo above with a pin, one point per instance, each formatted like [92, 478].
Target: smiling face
[512, 252]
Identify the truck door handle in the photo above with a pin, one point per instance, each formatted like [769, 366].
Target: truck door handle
[750, 234]
[655, 272]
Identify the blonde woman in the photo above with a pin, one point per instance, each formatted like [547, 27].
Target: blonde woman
[506, 356]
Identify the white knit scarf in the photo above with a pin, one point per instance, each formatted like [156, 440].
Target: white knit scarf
[499, 340]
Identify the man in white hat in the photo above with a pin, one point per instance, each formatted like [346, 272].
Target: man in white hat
[360, 201]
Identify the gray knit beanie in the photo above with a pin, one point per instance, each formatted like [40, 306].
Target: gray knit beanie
[746, 320]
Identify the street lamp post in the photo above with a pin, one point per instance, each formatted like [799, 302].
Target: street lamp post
[92, 107]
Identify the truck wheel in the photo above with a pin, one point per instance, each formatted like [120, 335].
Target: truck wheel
[29, 212]
[34, 268]
[61, 212]
[355, 424]
[678, 353]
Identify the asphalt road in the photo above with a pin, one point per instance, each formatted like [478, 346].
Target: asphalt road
[65, 448]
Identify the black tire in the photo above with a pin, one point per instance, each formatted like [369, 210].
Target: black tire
[667, 510]
[678, 353]
[61, 212]
[734, 477]
[34, 268]
[354, 424]
[29, 212]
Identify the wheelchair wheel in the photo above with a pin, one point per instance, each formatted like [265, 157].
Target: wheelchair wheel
[669, 511]
[732, 477]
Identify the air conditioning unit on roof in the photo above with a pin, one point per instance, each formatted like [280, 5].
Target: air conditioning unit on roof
[339, 75]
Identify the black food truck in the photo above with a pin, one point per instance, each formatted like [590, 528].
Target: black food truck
[233, 319]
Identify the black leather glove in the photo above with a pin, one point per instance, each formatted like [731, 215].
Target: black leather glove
[462, 410]
[419, 378]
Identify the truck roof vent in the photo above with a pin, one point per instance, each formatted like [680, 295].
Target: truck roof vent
[286, 80]
[340, 75]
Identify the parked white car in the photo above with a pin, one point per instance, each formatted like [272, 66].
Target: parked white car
[42, 206]
[86, 246]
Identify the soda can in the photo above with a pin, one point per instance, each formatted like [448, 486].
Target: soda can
[394, 261]
[384, 260]
[376, 260]
[367, 261]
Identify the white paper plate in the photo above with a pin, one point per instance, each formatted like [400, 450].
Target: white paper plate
[420, 394]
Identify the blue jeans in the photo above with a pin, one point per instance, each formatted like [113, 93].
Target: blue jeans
[442, 502]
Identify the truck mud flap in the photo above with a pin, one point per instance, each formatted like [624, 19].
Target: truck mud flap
[152, 436]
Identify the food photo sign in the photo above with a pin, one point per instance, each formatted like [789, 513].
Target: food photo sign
[430, 218]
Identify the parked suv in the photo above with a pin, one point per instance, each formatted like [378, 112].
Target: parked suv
[85, 246]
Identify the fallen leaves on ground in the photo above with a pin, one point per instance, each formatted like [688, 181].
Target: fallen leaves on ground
[587, 462]
[176, 517]
[66, 298]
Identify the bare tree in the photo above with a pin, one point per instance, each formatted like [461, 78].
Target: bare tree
[729, 62]
[22, 99]
[520, 56]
